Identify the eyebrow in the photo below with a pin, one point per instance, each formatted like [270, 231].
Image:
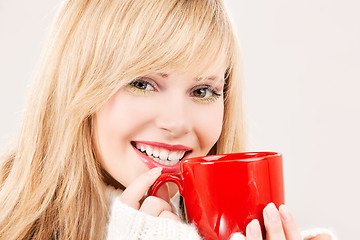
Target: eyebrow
[164, 75]
[211, 78]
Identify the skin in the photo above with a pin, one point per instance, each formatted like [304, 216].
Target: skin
[167, 111]
[162, 108]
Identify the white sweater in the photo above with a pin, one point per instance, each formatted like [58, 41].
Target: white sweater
[130, 224]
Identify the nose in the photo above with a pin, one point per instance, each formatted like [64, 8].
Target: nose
[173, 117]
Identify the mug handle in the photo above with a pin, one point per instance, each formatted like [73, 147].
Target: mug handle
[175, 178]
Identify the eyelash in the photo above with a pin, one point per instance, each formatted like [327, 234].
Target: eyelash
[135, 89]
[138, 90]
[215, 95]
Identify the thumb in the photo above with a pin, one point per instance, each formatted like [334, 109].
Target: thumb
[163, 193]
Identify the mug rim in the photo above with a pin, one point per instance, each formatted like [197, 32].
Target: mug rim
[240, 156]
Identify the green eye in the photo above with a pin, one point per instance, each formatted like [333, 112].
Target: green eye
[200, 93]
[205, 94]
[141, 86]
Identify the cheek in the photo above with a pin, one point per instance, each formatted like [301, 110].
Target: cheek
[114, 126]
[123, 115]
[209, 125]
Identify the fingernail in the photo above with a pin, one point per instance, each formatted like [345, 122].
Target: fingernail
[272, 213]
[155, 171]
[254, 228]
[285, 213]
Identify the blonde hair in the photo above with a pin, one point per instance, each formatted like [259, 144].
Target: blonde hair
[51, 184]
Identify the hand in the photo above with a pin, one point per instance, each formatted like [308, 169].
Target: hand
[158, 206]
[279, 225]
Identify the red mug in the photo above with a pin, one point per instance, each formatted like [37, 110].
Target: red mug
[223, 193]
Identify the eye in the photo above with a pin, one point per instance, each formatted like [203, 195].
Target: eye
[205, 94]
[142, 85]
[202, 93]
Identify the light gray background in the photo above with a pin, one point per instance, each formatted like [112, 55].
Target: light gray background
[302, 61]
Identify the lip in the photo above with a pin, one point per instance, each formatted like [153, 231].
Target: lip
[152, 164]
[167, 146]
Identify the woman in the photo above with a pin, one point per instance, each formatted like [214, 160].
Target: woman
[116, 77]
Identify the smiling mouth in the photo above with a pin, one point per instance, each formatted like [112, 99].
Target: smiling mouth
[161, 154]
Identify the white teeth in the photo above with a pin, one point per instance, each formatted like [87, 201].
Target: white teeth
[148, 150]
[181, 154]
[156, 153]
[161, 155]
[164, 154]
[173, 156]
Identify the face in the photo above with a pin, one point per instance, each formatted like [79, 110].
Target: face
[158, 120]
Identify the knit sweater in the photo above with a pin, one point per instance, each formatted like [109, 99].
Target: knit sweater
[127, 223]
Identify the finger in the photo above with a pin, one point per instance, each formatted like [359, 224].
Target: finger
[237, 236]
[273, 224]
[138, 188]
[154, 206]
[253, 230]
[169, 215]
[289, 225]
[163, 193]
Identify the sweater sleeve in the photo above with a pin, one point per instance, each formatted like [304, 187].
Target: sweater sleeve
[128, 223]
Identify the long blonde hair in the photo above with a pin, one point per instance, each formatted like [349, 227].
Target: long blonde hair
[51, 186]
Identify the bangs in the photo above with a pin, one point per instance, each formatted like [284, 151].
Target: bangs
[117, 41]
[175, 36]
